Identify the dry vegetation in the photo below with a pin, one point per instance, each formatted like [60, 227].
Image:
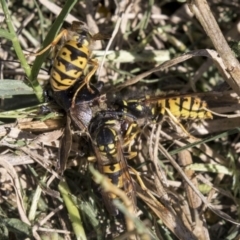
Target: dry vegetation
[157, 48]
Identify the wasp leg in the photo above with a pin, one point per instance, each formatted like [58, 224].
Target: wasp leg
[128, 139]
[175, 120]
[140, 181]
[94, 63]
[130, 155]
[76, 93]
[92, 159]
[63, 33]
[142, 185]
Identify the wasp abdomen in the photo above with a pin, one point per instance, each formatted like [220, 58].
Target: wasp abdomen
[107, 144]
[68, 66]
[114, 173]
[183, 108]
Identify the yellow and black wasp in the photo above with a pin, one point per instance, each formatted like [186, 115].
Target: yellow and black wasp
[106, 135]
[153, 109]
[181, 107]
[73, 56]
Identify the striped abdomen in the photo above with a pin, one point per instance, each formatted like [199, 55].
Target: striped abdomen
[69, 64]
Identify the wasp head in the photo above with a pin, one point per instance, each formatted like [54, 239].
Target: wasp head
[83, 34]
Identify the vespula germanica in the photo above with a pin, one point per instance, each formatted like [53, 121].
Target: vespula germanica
[181, 107]
[105, 132]
[73, 56]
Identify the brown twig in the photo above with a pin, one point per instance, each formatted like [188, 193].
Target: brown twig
[204, 15]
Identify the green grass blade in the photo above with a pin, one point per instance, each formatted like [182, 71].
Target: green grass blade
[72, 211]
[19, 52]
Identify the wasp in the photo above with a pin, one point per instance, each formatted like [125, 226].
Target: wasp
[181, 107]
[105, 132]
[177, 108]
[73, 56]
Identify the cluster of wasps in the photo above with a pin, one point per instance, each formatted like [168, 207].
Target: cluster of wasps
[109, 129]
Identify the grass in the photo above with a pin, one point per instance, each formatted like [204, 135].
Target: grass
[156, 48]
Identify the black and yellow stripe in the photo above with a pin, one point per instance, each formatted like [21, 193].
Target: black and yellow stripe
[108, 147]
[70, 62]
[114, 174]
[181, 107]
